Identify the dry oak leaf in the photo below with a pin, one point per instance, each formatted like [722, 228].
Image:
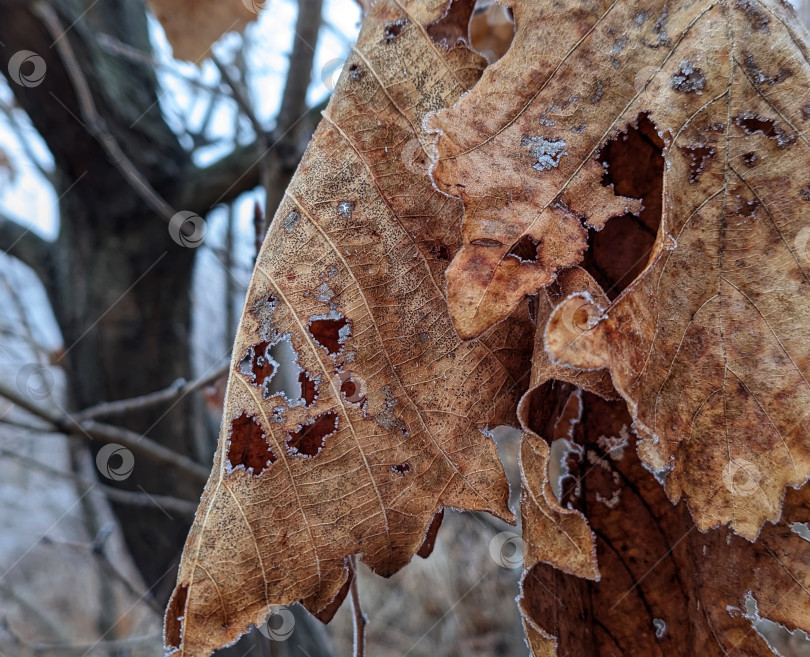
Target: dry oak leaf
[710, 345]
[386, 420]
[667, 589]
[193, 26]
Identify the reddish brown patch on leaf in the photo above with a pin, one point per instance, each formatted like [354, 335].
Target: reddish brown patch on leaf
[750, 158]
[753, 124]
[309, 388]
[759, 77]
[248, 445]
[401, 468]
[758, 19]
[257, 365]
[699, 155]
[352, 388]
[310, 439]
[173, 631]
[747, 208]
[441, 252]
[330, 333]
[432, 532]
[393, 30]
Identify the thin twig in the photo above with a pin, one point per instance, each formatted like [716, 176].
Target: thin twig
[93, 122]
[132, 498]
[107, 433]
[359, 618]
[34, 612]
[293, 104]
[96, 550]
[241, 100]
[179, 388]
[110, 647]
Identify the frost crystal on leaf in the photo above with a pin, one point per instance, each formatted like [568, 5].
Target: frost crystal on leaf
[546, 152]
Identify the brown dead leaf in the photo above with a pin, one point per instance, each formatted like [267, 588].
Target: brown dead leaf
[390, 422]
[709, 344]
[193, 26]
[666, 588]
[550, 411]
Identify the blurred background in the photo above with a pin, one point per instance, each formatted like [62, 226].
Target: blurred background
[115, 333]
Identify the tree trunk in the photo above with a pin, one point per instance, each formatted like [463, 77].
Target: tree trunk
[119, 285]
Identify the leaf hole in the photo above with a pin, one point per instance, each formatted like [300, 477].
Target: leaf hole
[525, 249]
[291, 381]
[776, 636]
[257, 365]
[492, 29]
[452, 27]
[634, 166]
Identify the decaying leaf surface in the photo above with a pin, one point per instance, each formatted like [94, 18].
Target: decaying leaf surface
[192, 26]
[557, 535]
[666, 588]
[709, 344]
[390, 424]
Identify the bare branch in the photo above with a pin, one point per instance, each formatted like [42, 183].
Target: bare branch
[359, 618]
[241, 100]
[93, 122]
[294, 100]
[110, 646]
[9, 111]
[131, 498]
[106, 433]
[28, 247]
[299, 74]
[177, 390]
